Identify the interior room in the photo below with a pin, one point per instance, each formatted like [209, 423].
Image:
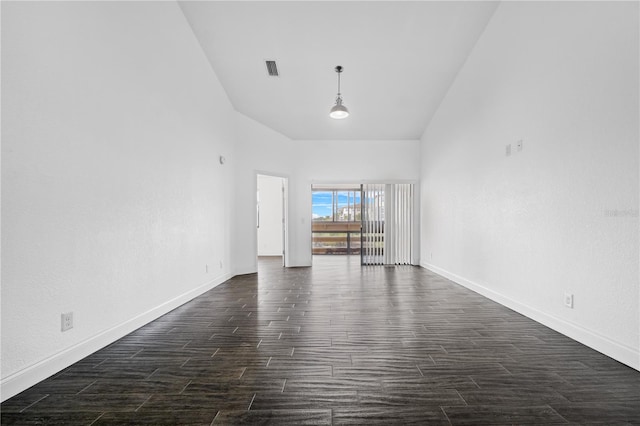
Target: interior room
[137, 138]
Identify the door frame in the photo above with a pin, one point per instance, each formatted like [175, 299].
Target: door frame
[285, 213]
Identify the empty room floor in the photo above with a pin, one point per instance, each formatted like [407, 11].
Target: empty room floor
[337, 344]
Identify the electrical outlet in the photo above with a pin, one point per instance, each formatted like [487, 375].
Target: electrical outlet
[206, 269]
[519, 145]
[221, 264]
[66, 321]
[568, 300]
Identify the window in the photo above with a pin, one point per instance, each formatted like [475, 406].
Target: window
[336, 205]
[336, 219]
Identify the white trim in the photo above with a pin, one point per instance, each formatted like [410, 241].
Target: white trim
[285, 227]
[625, 354]
[35, 373]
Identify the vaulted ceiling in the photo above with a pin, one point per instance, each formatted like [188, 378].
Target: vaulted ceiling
[399, 60]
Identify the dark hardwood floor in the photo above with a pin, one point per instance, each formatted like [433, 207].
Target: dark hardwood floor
[337, 344]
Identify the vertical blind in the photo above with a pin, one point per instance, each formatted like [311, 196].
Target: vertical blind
[387, 224]
[372, 247]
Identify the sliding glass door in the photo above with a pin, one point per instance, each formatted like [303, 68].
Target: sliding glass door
[374, 221]
[336, 219]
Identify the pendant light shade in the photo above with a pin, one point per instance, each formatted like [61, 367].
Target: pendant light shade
[339, 111]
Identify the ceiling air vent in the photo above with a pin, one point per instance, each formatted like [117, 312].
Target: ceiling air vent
[272, 68]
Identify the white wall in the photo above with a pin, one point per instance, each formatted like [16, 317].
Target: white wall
[260, 150]
[264, 151]
[562, 214]
[352, 161]
[270, 219]
[113, 201]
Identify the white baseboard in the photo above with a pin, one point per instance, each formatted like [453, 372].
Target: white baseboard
[625, 354]
[245, 270]
[29, 376]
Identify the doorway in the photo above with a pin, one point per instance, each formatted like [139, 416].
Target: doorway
[336, 222]
[271, 217]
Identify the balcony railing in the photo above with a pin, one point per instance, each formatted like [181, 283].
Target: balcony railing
[336, 237]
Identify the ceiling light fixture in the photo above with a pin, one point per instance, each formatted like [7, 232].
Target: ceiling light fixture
[339, 111]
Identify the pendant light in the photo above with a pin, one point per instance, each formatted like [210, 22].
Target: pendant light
[339, 111]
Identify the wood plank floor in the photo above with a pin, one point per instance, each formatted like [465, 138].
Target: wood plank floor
[337, 344]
